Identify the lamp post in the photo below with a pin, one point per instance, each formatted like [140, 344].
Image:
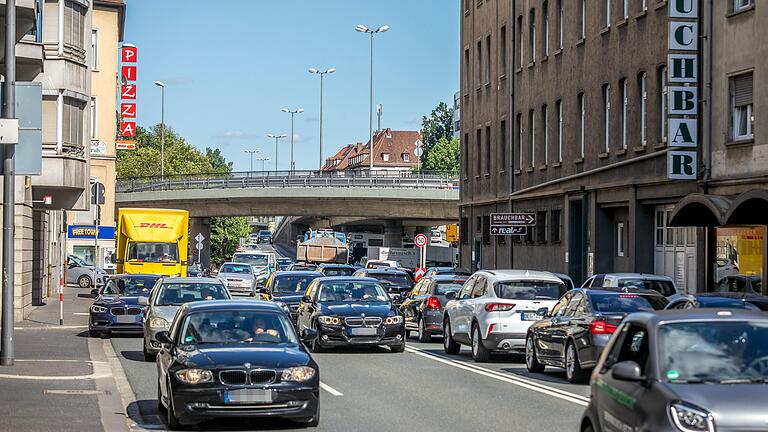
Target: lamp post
[363, 29]
[293, 114]
[251, 152]
[262, 160]
[162, 127]
[322, 75]
[276, 137]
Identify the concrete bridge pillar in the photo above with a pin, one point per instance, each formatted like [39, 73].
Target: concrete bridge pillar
[200, 225]
[393, 233]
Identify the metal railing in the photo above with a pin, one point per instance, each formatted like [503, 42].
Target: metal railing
[287, 179]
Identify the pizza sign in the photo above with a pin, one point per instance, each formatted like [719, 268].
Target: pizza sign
[129, 55]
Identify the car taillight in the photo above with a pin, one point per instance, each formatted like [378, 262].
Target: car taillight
[433, 303]
[601, 327]
[499, 307]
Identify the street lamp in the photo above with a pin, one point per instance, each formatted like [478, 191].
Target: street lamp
[252, 152]
[292, 113]
[363, 29]
[262, 160]
[322, 75]
[276, 137]
[162, 127]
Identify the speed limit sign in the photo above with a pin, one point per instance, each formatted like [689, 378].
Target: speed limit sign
[420, 240]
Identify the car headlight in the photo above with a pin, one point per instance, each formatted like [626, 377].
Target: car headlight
[194, 376]
[397, 319]
[298, 374]
[689, 419]
[159, 322]
[329, 320]
[98, 309]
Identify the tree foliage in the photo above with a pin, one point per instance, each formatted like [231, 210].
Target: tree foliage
[444, 156]
[226, 233]
[439, 124]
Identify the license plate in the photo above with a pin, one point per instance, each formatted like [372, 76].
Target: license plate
[530, 316]
[245, 396]
[364, 331]
[125, 319]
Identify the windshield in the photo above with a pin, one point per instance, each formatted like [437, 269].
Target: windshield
[714, 351]
[666, 288]
[338, 271]
[443, 288]
[351, 292]
[265, 232]
[292, 284]
[130, 286]
[243, 269]
[395, 279]
[529, 290]
[257, 260]
[176, 293]
[626, 303]
[236, 327]
[152, 252]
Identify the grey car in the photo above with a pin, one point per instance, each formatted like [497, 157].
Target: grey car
[239, 278]
[695, 370]
[167, 296]
[81, 273]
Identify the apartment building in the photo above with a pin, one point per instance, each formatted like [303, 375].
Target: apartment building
[394, 151]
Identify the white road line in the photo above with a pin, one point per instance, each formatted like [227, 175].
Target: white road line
[530, 385]
[80, 313]
[330, 389]
[52, 327]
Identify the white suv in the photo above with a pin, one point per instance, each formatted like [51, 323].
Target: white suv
[494, 309]
[661, 284]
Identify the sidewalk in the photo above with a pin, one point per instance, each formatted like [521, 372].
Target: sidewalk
[61, 380]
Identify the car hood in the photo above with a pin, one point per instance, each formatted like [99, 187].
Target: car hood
[167, 312]
[117, 300]
[233, 355]
[372, 309]
[288, 298]
[735, 407]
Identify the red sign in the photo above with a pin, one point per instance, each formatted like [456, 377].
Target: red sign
[129, 73]
[128, 110]
[128, 129]
[130, 54]
[128, 91]
[421, 240]
[419, 273]
[125, 145]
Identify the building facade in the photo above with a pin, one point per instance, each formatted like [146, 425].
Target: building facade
[394, 151]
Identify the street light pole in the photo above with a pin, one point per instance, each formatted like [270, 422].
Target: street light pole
[252, 152]
[162, 128]
[263, 160]
[363, 29]
[276, 137]
[322, 75]
[293, 114]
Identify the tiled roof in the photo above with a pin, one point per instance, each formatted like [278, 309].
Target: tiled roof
[391, 149]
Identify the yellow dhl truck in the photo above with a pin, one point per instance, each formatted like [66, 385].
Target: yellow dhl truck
[152, 241]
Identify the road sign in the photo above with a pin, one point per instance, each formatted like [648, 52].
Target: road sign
[418, 151]
[199, 247]
[507, 219]
[418, 143]
[419, 273]
[199, 237]
[420, 240]
[509, 230]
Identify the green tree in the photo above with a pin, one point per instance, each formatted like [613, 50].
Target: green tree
[444, 156]
[218, 162]
[226, 233]
[439, 124]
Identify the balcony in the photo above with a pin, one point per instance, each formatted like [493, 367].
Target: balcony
[29, 53]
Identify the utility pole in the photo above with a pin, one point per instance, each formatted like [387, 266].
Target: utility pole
[293, 114]
[162, 128]
[277, 138]
[322, 75]
[7, 354]
[251, 152]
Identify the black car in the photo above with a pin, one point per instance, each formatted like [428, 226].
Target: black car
[575, 332]
[302, 266]
[397, 282]
[288, 288]
[116, 308]
[447, 271]
[744, 284]
[711, 300]
[284, 263]
[235, 358]
[336, 269]
[423, 306]
[760, 301]
[350, 311]
[265, 236]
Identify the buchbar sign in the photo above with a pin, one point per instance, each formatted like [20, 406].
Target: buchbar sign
[129, 56]
[683, 63]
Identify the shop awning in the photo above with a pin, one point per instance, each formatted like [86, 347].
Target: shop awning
[749, 208]
[701, 210]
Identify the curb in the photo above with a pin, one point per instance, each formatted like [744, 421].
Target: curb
[124, 388]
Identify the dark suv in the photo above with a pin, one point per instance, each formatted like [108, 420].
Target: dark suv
[265, 236]
[397, 282]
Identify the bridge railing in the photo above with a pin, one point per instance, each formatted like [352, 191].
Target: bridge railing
[295, 179]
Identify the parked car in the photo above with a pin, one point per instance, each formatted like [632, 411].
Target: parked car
[239, 278]
[709, 300]
[284, 263]
[336, 269]
[577, 330]
[288, 288]
[663, 284]
[166, 298]
[302, 266]
[423, 306]
[447, 271]
[346, 311]
[397, 282]
[265, 236]
[116, 308]
[693, 370]
[746, 284]
[81, 273]
[494, 309]
[235, 359]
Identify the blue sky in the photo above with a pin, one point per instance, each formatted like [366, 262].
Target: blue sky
[230, 66]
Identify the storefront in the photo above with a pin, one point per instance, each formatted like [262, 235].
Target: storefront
[81, 243]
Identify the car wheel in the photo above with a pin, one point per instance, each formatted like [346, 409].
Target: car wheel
[397, 348]
[531, 360]
[315, 346]
[423, 335]
[480, 353]
[148, 356]
[170, 415]
[450, 346]
[84, 281]
[573, 370]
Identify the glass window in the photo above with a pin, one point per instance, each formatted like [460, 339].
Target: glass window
[177, 293]
[443, 287]
[532, 35]
[662, 81]
[583, 19]
[582, 125]
[467, 289]
[643, 96]
[620, 239]
[559, 107]
[130, 286]
[394, 279]
[503, 50]
[574, 304]
[607, 13]
[737, 5]
[545, 130]
[624, 105]
[94, 48]
[556, 226]
[561, 305]
[94, 118]
[252, 259]
[532, 136]
[529, 290]
[742, 107]
[292, 284]
[607, 117]
[84, 254]
[152, 252]
[626, 303]
[634, 347]
[521, 58]
[560, 24]
[545, 13]
[666, 288]
[244, 269]
[350, 291]
[479, 289]
[237, 327]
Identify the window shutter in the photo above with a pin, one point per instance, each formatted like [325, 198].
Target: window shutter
[742, 87]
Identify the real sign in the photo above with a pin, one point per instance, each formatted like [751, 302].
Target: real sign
[511, 223]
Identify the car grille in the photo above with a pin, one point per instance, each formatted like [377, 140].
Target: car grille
[359, 322]
[263, 376]
[242, 377]
[124, 311]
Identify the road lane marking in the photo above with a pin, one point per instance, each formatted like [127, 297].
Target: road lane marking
[52, 327]
[330, 389]
[530, 385]
[80, 313]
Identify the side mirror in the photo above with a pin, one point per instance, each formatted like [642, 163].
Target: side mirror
[627, 371]
[164, 337]
[94, 292]
[308, 334]
[450, 295]
[306, 299]
[144, 301]
[543, 312]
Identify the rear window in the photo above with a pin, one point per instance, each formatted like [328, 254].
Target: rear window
[395, 279]
[336, 271]
[626, 303]
[529, 290]
[236, 268]
[443, 288]
[666, 288]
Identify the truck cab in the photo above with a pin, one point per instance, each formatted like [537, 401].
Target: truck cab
[152, 241]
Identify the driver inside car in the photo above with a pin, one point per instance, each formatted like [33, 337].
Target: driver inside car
[259, 329]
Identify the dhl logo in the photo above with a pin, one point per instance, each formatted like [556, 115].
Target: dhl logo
[153, 225]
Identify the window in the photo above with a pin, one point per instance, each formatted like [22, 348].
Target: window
[521, 58]
[467, 6]
[520, 140]
[545, 13]
[74, 24]
[478, 224]
[479, 67]
[583, 19]
[559, 109]
[94, 118]
[532, 136]
[532, 35]
[479, 288]
[620, 239]
[634, 346]
[464, 230]
[94, 49]
[560, 19]
[385, 157]
[643, 96]
[742, 107]
[625, 9]
[607, 13]
[545, 129]
[488, 59]
[541, 227]
[530, 232]
[406, 157]
[645, 5]
[487, 150]
[486, 229]
[582, 125]
[478, 146]
[503, 50]
[556, 226]
[738, 5]
[661, 79]
[607, 117]
[502, 145]
[624, 103]
[466, 70]
[72, 124]
[465, 155]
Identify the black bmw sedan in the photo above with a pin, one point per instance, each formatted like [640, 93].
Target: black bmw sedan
[288, 288]
[235, 358]
[345, 311]
[116, 308]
